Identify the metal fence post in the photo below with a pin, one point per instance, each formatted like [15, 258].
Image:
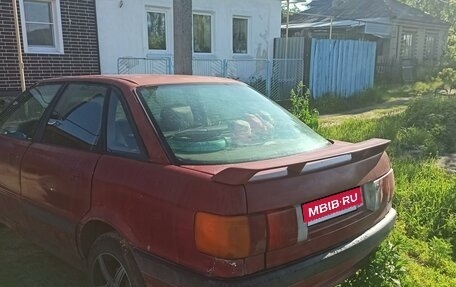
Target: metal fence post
[168, 66]
[268, 78]
[225, 68]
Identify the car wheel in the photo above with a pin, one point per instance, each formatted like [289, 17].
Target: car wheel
[111, 263]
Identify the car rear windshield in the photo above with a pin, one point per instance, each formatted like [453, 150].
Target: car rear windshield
[225, 123]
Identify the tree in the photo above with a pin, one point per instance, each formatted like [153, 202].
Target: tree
[295, 7]
[448, 77]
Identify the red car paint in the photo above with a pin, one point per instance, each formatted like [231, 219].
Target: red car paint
[63, 198]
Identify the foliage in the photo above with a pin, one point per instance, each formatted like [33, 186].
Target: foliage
[451, 50]
[293, 10]
[423, 88]
[385, 268]
[330, 103]
[2, 104]
[443, 9]
[421, 249]
[428, 261]
[417, 142]
[448, 78]
[435, 116]
[300, 106]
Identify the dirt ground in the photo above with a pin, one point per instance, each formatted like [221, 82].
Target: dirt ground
[23, 264]
[392, 106]
[448, 162]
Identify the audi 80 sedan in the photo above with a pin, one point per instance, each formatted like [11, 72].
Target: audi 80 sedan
[147, 180]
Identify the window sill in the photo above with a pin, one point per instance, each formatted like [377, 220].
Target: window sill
[43, 51]
[158, 54]
[204, 56]
[242, 57]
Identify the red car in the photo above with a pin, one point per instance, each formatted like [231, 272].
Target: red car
[188, 181]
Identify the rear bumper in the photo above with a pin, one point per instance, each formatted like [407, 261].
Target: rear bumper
[303, 273]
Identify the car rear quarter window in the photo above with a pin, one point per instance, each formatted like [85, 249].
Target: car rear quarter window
[20, 119]
[75, 121]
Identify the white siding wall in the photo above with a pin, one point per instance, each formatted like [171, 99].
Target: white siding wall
[122, 31]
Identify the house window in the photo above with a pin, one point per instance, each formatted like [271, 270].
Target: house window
[42, 25]
[202, 33]
[408, 45]
[240, 35]
[430, 46]
[156, 30]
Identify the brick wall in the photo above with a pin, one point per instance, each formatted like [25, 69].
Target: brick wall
[80, 45]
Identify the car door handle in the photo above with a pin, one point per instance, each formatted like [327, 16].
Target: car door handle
[52, 122]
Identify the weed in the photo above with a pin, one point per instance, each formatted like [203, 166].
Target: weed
[421, 248]
[300, 106]
[437, 117]
[424, 88]
[386, 268]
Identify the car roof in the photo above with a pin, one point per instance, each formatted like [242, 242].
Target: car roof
[135, 80]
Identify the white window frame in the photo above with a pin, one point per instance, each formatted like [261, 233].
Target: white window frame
[168, 30]
[57, 24]
[249, 33]
[411, 48]
[210, 14]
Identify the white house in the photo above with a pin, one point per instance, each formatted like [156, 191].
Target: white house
[222, 29]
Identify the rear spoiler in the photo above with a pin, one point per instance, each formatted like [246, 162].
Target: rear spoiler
[326, 158]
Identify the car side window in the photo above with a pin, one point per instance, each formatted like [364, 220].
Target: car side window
[75, 121]
[20, 119]
[120, 137]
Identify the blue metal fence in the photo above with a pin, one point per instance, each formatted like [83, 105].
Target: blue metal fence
[341, 67]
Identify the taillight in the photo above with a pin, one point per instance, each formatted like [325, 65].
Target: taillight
[376, 190]
[230, 237]
[286, 228]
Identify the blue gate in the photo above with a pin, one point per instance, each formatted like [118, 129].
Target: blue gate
[341, 67]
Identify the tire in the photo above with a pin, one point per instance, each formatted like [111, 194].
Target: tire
[111, 263]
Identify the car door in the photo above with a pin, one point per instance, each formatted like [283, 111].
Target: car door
[57, 170]
[18, 124]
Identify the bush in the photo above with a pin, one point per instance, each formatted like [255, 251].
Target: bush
[300, 106]
[448, 78]
[435, 116]
[423, 88]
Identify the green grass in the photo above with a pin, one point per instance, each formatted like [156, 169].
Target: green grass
[421, 249]
[331, 104]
